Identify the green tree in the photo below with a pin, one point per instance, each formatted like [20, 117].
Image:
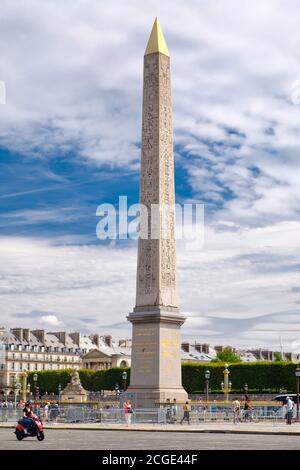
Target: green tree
[227, 355]
[277, 357]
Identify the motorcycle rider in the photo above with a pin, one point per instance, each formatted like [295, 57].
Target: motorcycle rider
[27, 415]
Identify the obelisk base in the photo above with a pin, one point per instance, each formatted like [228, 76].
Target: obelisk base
[156, 357]
[151, 398]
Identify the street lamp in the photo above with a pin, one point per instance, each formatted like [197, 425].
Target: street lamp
[207, 377]
[17, 388]
[226, 385]
[35, 379]
[297, 375]
[59, 392]
[124, 378]
[24, 384]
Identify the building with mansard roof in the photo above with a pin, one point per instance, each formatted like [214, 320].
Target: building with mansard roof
[22, 349]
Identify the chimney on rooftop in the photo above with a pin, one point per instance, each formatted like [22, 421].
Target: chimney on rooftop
[185, 346]
[26, 335]
[75, 337]
[108, 340]
[40, 335]
[18, 333]
[95, 340]
[60, 335]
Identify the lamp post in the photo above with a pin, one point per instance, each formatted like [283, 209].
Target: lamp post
[207, 377]
[117, 390]
[297, 375]
[226, 385]
[17, 388]
[246, 390]
[59, 392]
[24, 384]
[35, 379]
[124, 378]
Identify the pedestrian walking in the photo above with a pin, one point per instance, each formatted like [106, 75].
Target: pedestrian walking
[174, 410]
[46, 411]
[168, 414]
[4, 410]
[236, 407]
[10, 409]
[54, 412]
[186, 412]
[289, 410]
[127, 408]
[247, 410]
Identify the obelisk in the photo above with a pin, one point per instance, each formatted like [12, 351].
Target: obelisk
[156, 320]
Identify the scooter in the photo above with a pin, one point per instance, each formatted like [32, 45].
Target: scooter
[34, 430]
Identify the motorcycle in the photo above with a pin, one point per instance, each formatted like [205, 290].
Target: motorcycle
[34, 430]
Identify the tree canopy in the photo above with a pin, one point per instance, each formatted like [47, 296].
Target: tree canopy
[227, 355]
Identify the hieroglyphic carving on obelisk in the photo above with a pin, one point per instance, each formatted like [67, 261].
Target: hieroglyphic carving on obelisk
[156, 349]
[156, 270]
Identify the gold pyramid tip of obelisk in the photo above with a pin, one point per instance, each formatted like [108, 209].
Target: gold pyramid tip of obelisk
[156, 41]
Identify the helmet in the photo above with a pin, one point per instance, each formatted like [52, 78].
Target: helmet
[29, 402]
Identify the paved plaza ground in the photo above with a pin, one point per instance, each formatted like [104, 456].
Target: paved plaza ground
[119, 440]
[88, 437]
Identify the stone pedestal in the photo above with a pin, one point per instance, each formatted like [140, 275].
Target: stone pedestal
[74, 391]
[156, 369]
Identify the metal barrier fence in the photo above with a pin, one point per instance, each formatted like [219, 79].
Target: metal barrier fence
[198, 415]
[10, 415]
[77, 414]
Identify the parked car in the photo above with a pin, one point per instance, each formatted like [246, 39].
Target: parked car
[282, 398]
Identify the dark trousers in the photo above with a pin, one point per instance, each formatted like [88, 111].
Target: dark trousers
[186, 415]
[289, 417]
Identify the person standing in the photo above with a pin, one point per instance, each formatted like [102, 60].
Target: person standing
[54, 412]
[289, 410]
[186, 413]
[127, 408]
[4, 410]
[10, 409]
[46, 411]
[236, 406]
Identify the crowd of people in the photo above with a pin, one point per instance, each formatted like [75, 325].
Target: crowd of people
[45, 411]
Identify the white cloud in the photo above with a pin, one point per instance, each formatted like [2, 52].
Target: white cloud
[238, 289]
[49, 320]
[74, 78]
[73, 74]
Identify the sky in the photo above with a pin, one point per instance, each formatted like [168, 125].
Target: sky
[70, 140]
